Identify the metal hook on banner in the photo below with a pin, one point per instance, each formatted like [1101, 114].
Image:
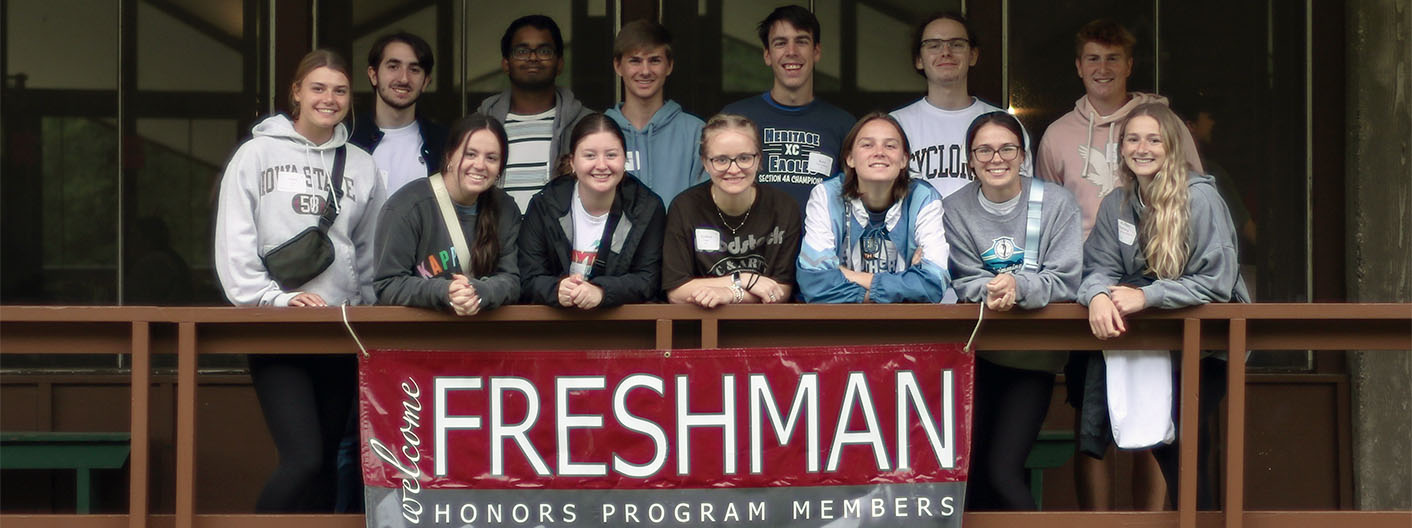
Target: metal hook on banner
[344, 308]
[975, 330]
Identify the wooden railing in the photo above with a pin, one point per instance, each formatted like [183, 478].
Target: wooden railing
[142, 330]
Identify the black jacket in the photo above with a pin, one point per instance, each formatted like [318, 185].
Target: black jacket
[629, 263]
[366, 134]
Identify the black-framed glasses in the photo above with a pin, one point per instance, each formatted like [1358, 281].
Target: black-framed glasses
[985, 154]
[744, 161]
[956, 45]
[524, 52]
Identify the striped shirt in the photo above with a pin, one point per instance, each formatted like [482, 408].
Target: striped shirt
[528, 166]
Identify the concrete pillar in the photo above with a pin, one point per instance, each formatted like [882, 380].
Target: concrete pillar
[1379, 214]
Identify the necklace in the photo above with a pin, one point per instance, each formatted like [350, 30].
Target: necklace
[722, 216]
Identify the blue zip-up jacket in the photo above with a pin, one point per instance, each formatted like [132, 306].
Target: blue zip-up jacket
[666, 154]
[912, 223]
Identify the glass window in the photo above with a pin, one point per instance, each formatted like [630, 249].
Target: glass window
[209, 58]
[486, 22]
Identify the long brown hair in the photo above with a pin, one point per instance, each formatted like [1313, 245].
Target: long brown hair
[319, 58]
[1165, 225]
[850, 175]
[485, 251]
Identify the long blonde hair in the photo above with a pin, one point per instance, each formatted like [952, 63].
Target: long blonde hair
[1164, 229]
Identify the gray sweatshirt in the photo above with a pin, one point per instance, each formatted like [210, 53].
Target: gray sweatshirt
[1113, 252]
[984, 244]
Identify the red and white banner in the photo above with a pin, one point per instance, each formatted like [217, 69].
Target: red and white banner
[814, 436]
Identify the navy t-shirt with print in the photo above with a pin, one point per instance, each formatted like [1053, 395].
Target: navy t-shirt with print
[801, 142]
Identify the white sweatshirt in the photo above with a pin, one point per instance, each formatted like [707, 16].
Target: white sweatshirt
[273, 188]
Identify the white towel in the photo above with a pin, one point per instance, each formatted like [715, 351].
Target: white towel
[1140, 397]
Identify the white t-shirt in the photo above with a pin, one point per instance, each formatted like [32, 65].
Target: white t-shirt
[398, 156]
[938, 141]
[527, 166]
[588, 233]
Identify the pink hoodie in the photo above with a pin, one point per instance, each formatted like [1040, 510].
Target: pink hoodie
[1080, 152]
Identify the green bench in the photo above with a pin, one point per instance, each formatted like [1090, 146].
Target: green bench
[1051, 450]
[82, 452]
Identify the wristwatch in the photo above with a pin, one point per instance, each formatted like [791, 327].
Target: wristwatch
[736, 290]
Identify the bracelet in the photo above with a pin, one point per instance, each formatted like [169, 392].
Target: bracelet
[754, 278]
[737, 293]
[735, 279]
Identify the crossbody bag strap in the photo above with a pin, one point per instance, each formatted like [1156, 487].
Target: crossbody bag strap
[453, 225]
[340, 157]
[1034, 211]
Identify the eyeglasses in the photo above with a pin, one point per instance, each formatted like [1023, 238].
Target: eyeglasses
[956, 45]
[744, 161]
[985, 154]
[524, 52]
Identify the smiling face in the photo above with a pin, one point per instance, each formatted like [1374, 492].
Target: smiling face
[941, 63]
[791, 55]
[644, 71]
[474, 168]
[731, 144]
[323, 100]
[878, 155]
[399, 79]
[1143, 149]
[1104, 70]
[1000, 178]
[532, 72]
[598, 162]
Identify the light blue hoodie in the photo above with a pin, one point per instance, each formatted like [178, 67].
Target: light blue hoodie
[833, 226]
[665, 155]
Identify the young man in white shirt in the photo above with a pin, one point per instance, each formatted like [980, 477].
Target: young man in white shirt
[404, 146]
[944, 49]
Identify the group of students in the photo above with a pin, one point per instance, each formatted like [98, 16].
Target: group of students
[561, 206]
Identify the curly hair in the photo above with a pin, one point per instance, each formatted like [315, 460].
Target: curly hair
[1165, 227]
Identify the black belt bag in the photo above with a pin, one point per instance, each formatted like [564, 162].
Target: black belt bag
[298, 260]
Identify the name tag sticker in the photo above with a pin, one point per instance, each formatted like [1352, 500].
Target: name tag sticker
[708, 240]
[1127, 233]
[630, 161]
[291, 182]
[820, 163]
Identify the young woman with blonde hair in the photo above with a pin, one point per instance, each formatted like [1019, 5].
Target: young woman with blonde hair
[1164, 240]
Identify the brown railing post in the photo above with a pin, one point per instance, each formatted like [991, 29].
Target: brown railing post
[186, 425]
[664, 334]
[1187, 429]
[140, 428]
[710, 332]
[1235, 427]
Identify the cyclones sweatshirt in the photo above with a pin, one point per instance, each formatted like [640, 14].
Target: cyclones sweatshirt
[274, 187]
[1081, 151]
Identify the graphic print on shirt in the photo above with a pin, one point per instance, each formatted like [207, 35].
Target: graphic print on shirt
[581, 261]
[1004, 256]
[941, 161]
[438, 263]
[741, 254]
[1102, 167]
[876, 252]
[791, 156]
[310, 185]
